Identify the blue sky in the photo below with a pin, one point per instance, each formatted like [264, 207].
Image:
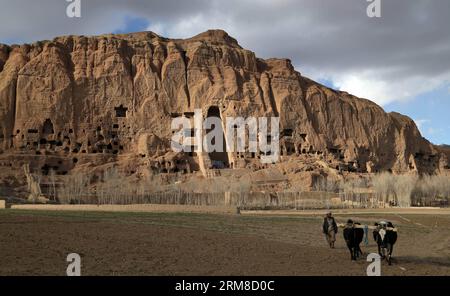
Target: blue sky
[401, 61]
[431, 112]
[133, 24]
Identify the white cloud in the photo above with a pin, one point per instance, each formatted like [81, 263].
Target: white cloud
[192, 25]
[383, 65]
[377, 87]
[384, 91]
[365, 87]
[391, 59]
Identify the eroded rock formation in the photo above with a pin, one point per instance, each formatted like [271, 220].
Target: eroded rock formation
[80, 102]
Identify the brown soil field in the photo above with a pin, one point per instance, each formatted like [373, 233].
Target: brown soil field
[151, 243]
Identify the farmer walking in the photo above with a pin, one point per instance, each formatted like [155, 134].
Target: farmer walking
[330, 229]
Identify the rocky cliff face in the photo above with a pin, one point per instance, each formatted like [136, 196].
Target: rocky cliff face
[85, 101]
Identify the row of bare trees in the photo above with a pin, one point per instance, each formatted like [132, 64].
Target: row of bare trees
[112, 188]
[399, 190]
[408, 189]
[432, 188]
[396, 189]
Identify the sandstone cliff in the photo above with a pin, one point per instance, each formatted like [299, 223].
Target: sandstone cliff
[83, 102]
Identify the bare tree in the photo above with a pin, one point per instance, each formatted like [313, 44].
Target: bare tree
[403, 187]
[52, 183]
[74, 189]
[325, 184]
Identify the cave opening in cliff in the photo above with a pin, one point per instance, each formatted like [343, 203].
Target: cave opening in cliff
[219, 159]
[121, 111]
[47, 129]
[45, 170]
[287, 133]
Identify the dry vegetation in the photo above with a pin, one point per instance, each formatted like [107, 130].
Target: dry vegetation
[394, 189]
[407, 190]
[398, 190]
[115, 189]
[374, 191]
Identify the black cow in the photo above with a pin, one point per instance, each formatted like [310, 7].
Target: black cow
[359, 236]
[385, 237]
[353, 237]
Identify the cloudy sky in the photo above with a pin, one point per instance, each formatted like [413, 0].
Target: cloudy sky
[400, 61]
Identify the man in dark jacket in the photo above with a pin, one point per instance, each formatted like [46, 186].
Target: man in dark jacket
[330, 229]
